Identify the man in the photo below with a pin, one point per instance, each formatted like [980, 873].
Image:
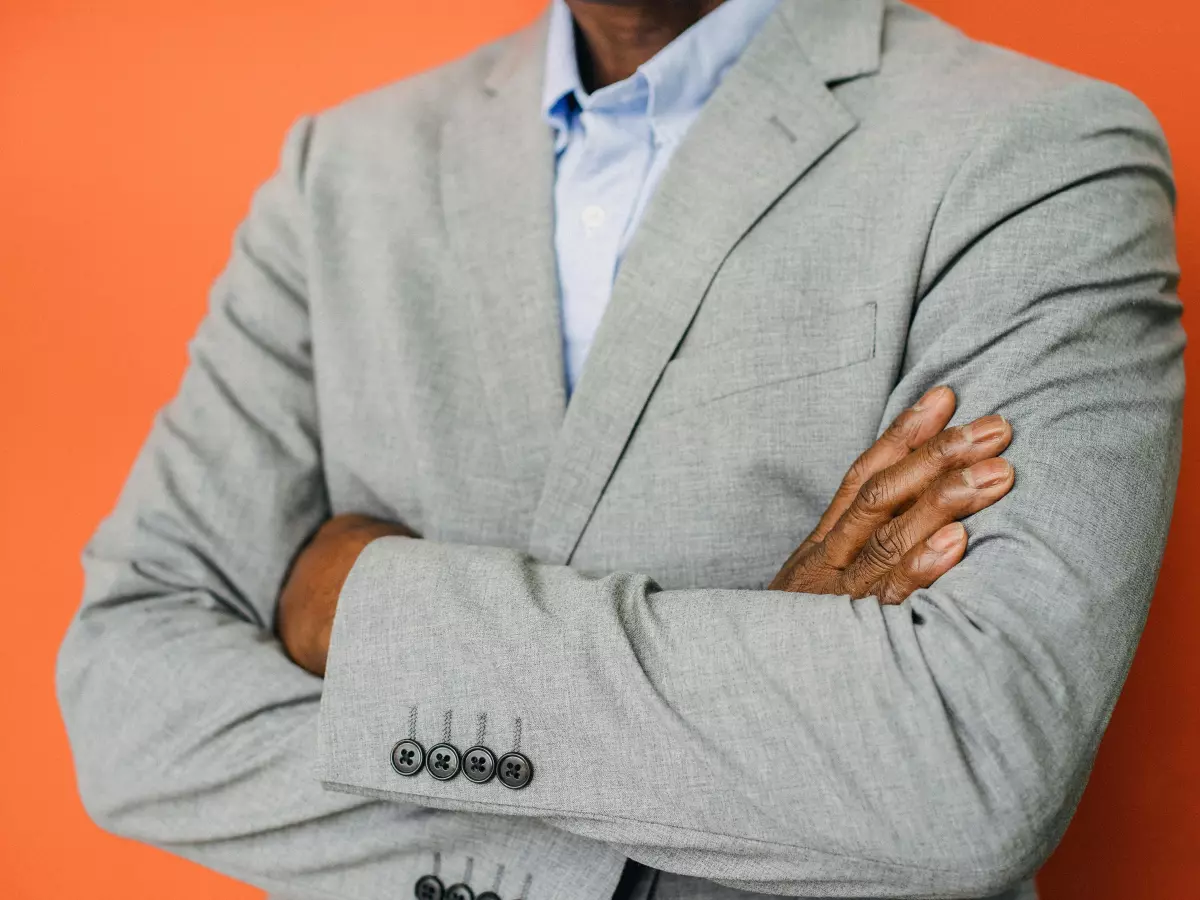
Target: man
[603, 312]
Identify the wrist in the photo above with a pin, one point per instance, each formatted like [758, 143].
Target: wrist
[308, 602]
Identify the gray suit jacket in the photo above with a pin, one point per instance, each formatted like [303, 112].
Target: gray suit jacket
[869, 205]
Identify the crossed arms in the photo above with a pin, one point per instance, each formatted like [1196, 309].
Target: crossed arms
[934, 747]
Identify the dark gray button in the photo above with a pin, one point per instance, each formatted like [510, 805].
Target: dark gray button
[488, 895]
[444, 761]
[459, 892]
[479, 765]
[408, 757]
[515, 770]
[429, 887]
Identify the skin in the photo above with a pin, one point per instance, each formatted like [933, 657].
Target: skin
[620, 35]
[892, 527]
[308, 601]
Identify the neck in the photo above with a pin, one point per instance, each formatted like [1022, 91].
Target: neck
[620, 35]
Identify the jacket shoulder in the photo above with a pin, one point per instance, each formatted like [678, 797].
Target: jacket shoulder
[398, 122]
[935, 74]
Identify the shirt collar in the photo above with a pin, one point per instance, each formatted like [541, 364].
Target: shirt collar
[671, 86]
[561, 81]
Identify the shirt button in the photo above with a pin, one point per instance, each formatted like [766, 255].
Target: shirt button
[488, 895]
[408, 757]
[444, 761]
[459, 892]
[479, 764]
[429, 887]
[515, 770]
[593, 217]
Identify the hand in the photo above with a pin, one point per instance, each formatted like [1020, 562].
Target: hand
[310, 591]
[893, 524]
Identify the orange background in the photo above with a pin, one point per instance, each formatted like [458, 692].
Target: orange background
[132, 133]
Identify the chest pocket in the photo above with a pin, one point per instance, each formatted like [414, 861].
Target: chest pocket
[802, 348]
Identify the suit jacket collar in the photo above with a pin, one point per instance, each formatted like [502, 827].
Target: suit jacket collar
[771, 119]
[497, 179]
[841, 39]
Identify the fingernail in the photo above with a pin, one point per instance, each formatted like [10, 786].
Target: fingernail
[987, 473]
[928, 397]
[946, 539]
[986, 429]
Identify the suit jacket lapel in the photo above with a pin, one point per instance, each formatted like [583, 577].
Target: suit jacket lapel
[771, 119]
[497, 178]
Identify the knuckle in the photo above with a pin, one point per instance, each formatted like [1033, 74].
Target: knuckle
[873, 494]
[896, 438]
[803, 571]
[904, 426]
[897, 427]
[859, 472]
[819, 580]
[944, 448]
[889, 542]
[946, 494]
[872, 557]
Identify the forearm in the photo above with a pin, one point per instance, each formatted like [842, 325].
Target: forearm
[769, 740]
[214, 759]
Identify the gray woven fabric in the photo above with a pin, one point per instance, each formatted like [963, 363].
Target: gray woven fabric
[869, 205]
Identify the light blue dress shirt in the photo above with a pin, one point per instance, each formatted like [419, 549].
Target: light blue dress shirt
[613, 146]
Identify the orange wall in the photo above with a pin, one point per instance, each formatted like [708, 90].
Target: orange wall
[130, 140]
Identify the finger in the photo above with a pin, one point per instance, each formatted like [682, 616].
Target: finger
[908, 431]
[886, 493]
[952, 497]
[981, 450]
[922, 565]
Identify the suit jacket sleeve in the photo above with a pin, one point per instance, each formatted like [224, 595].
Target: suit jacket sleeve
[813, 744]
[190, 727]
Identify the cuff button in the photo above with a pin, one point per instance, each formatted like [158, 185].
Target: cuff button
[479, 765]
[514, 770]
[444, 761]
[429, 887]
[407, 757]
